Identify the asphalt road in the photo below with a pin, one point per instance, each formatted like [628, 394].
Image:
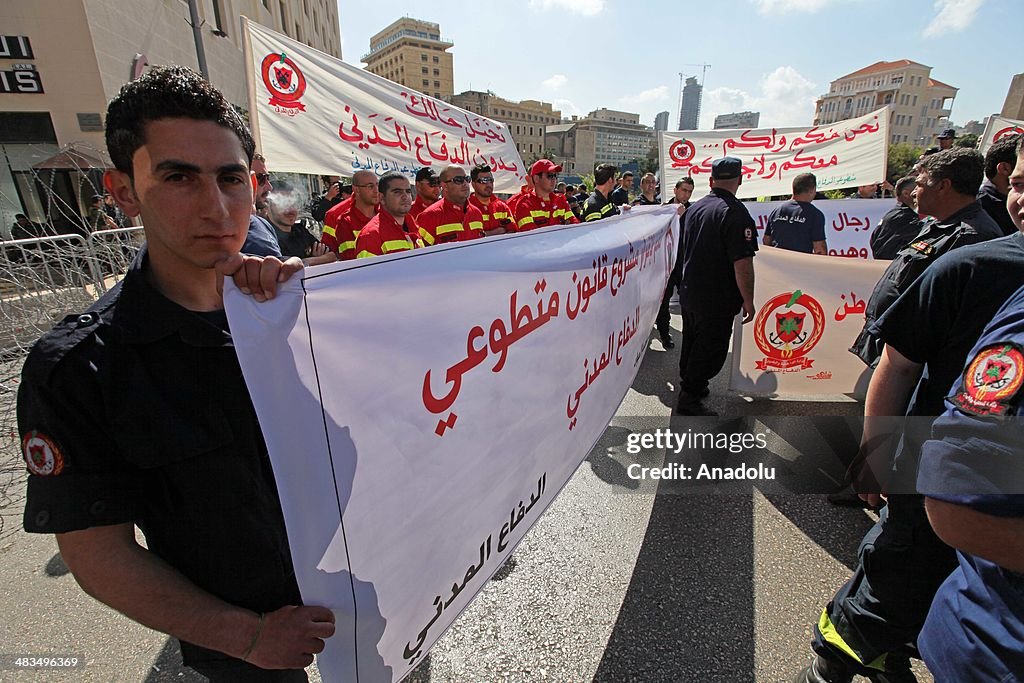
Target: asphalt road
[619, 581]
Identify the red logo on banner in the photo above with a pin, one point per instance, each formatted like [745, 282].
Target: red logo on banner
[285, 82]
[681, 152]
[1007, 132]
[799, 322]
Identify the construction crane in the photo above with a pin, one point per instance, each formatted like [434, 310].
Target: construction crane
[682, 76]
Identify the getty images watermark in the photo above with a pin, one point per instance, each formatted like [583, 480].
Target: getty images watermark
[675, 443]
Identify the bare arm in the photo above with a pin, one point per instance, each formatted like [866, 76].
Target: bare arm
[819, 247]
[997, 539]
[744, 270]
[767, 240]
[888, 393]
[110, 566]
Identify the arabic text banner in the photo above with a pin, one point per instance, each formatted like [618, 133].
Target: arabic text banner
[313, 113]
[809, 311]
[845, 154]
[996, 129]
[423, 410]
[848, 222]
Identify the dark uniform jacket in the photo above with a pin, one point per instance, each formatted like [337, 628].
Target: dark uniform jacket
[994, 202]
[898, 227]
[597, 207]
[969, 225]
[136, 412]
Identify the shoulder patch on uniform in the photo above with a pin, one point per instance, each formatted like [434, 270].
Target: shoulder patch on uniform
[748, 234]
[923, 246]
[992, 380]
[42, 455]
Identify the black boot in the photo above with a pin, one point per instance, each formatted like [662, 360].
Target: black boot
[692, 406]
[825, 670]
[666, 339]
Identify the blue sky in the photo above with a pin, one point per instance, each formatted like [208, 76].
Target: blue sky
[772, 56]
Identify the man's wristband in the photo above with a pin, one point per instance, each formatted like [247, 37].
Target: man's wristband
[255, 637]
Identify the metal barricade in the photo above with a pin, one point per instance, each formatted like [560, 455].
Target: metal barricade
[41, 281]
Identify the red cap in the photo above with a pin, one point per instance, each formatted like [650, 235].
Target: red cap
[544, 166]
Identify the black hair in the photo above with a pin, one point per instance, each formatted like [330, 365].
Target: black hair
[385, 180]
[166, 92]
[804, 182]
[964, 168]
[604, 173]
[475, 172]
[1005, 150]
[685, 181]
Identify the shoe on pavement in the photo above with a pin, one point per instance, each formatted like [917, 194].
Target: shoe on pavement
[825, 670]
[899, 673]
[666, 340]
[691, 406]
[847, 497]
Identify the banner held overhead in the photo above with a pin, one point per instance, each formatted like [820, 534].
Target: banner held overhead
[996, 129]
[316, 114]
[845, 154]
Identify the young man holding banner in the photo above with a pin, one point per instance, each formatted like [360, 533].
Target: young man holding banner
[136, 412]
[542, 207]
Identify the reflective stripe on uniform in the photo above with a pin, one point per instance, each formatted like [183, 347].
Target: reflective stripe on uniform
[541, 214]
[447, 228]
[365, 254]
[832, 637]
[396, 245]
[476, 225]
[427, 237]
[329, 230]
[345, 246]
[525, 220]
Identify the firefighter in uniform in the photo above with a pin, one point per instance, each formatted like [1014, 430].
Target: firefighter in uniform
[497, 217]
[392, 229]
[718, 246]
[542, 207]
[598, 205]
[345, 219]
[453, 219]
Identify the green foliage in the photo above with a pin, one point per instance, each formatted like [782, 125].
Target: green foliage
[969, 141]
[835, 194]
[902, 157]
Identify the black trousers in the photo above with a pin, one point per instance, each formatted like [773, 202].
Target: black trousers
[662, 322]
[236, 671]
[881, 609]
[703, 349]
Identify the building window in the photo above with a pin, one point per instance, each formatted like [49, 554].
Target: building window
[426, 83]
[437, 72]
[437, 95]
[424, 70]
[437, 84]
[218, 20]
[436, 60]
[423, 57]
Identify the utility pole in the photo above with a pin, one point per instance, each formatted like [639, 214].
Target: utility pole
[197, 35]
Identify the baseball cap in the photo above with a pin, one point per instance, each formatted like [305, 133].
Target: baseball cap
[425, 173]
[948, 134]
[544, 166]
[726, 168]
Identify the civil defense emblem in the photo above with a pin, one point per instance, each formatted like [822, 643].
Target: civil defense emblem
[285, 83]
[991, 380]
[786, 329]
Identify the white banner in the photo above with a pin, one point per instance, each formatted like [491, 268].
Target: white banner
[810, 310]
[422, 411]
[996, 129]
[845, 154]
[313, 113]
[848, 222]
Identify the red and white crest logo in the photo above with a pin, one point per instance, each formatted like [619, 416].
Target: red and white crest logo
[799, 322]
[681, 152]
[992, 380]
[285, 83]
[42, 455]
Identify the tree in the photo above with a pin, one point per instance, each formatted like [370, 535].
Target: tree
[970, 141]
[902, 157]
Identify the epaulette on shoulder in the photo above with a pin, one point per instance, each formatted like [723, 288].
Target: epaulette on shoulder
[55, 345]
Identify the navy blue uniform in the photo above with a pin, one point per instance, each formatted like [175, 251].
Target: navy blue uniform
[881, 609]
[994, 202]
[597, 206]
[717, 232]
[796, 226]
[137, 412]
[975, 628]
[261, 240]
[898, 228]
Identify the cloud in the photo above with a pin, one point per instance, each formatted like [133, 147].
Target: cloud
[567, 107]
[588, 8]
[784, 98]
[783, 6]
[652, 95]
[555, 82]
[952, 16]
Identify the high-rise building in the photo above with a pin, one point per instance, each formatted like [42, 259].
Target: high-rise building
[63, 60]
[689, 112]
[661, 122]
[602, 136]
[1013, 107]
[920, 106]
[742, 119]
[411, 52]
[526, 120]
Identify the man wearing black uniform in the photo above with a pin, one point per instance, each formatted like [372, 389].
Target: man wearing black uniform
[871, 625]
[899, 226]
[999, 161]
[598, 205]
[620, 195]
[946, 186]
[136, 412]
[719, 242]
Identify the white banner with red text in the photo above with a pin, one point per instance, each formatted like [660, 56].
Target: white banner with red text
[844, 154]
[997, 128]
[313, 113]
[848, 222]
[422, 410]
[809, 311]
